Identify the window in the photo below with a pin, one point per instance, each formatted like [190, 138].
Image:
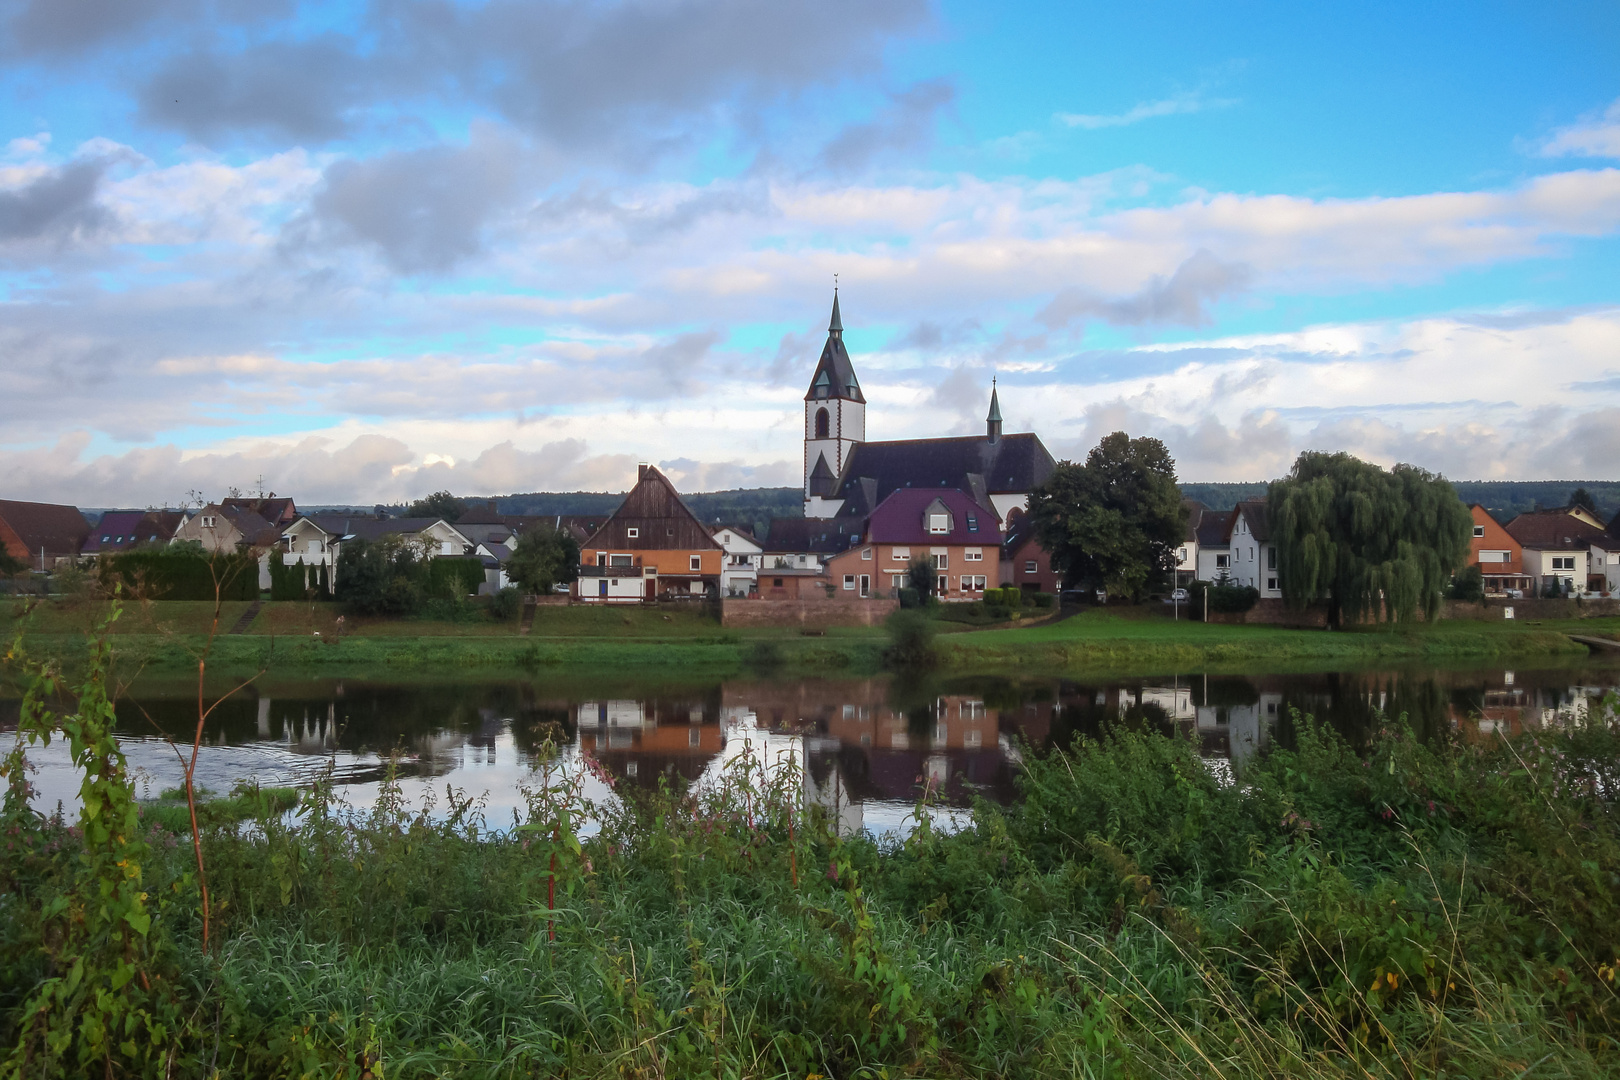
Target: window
[973, 522]
[900, 554]
[776, 583]
[1479, 530]
[106, 539]
[973, 583]
[939, 523]
[1031, 566]
[866, 554]
[601, 558]
[1271, 558]
[823, 385]
[208, 521]
[1271, 583]
[1222, 561]
[633, 532]
[866, 584]
[973, 555]
[621, 560]
[942, 561]
[1181, 555]
[694, 737]
[899, 581]
[821, 423]
[697, 562]
[1563, 562]
[849, 582]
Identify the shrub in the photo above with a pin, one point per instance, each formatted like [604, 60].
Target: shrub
[505, 605]
[924, 578]
[296, 581]
[1041, 600]
[1222, 597]
[911, 640]
[910, 598]
[1468, 584]
[185, 573]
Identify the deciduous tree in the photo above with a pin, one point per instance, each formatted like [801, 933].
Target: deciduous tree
[544, 557]
[1372, 542]
[1116, 520]
[440, 504]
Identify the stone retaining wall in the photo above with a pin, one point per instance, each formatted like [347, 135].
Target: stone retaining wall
[809, 613]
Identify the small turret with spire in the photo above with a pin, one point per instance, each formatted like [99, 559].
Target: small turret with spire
[992, 423]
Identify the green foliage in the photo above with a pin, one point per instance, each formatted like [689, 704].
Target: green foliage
[440, 504]
[381, 577]
[1378, 544]
[10, 565]
[453, 576]
[1042, 601]
[506, 604]
[924, 579]
[1581, 497]
[543, 558]
[296, 581]
[911, 640]
[1468, 584]
[1114, 521]
[910, 598]
[1223, 597]
[183, 572]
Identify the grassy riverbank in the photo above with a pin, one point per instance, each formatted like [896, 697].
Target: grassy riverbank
[295, 637]
[1384, 911]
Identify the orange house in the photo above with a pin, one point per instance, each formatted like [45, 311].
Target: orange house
[651, 546]
[1500, 558]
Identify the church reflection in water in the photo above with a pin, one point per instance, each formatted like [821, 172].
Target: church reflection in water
[870, 747]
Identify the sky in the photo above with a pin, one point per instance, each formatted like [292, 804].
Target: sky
[362, 251]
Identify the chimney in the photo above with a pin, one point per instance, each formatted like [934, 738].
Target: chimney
[641, 471]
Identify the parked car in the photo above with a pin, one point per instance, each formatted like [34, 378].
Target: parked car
[1178, 596]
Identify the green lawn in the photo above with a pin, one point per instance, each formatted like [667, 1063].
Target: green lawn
[292, 635]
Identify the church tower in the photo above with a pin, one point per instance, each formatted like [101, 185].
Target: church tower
[834, 421]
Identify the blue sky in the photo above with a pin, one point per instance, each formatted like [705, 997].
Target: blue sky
[368, 250]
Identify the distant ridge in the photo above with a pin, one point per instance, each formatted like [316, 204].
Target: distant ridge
[1504, 499]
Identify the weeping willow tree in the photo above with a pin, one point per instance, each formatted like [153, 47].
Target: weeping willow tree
[1374, 543]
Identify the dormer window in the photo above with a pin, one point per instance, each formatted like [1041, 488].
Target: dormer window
[939, 524]
[823, 385]
[973, 522]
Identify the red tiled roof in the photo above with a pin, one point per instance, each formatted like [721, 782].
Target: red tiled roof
[30, 526]
[1553, 532]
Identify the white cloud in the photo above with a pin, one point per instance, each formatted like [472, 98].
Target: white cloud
[1595, 137]
[1179, 105]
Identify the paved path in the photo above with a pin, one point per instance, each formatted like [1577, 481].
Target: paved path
[1595, 642]
[247, 618]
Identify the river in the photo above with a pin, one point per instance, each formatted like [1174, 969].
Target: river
[869, 745]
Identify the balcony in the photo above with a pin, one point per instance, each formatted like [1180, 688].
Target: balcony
[634, 570]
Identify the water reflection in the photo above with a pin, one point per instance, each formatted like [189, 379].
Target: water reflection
[869, 746]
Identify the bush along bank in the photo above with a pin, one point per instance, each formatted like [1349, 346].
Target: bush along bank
[1390, 910]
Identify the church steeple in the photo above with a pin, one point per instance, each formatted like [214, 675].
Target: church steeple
[837, 324]
[834, 420]
[992, 422]
[834, 375]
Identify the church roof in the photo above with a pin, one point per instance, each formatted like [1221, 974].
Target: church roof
[995, 407]
[834, 376]
[822, 471]
[875, 470]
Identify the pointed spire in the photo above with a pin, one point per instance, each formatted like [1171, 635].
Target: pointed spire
[992, 423]
[837, 324]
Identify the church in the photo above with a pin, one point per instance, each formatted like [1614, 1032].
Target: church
[847, 477]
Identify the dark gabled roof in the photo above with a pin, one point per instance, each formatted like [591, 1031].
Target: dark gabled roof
[1215, 529]
[901, 519]
[1552, 532]
[1258, 512]
[874, 470]
[367, 527]
[1195, 516]
[277, 511]
[809, 536]
[661, 520]
[822, 471]
[59, 530]
[834, 376]
[125, 529]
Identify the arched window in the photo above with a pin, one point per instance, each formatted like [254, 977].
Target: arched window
[821, 423]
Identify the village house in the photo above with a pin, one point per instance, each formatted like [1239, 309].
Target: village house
[1252, 555]
[1557, 547]
[739, 574]
[1213, 549]
[43, 535]
[1025, 564]
[318, 539]
[805, 543]
[651, 545]
[122, 530]
[1500, 558]
[1187, 552]
[229, 527]
[961, 537]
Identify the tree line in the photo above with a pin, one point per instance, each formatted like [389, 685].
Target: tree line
[1372, 543]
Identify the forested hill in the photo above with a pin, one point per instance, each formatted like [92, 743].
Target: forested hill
[1503, 498]
[755, 506]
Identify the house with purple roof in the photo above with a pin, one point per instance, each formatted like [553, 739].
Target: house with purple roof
[946, 526]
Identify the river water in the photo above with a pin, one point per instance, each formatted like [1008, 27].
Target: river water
[868, 745]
